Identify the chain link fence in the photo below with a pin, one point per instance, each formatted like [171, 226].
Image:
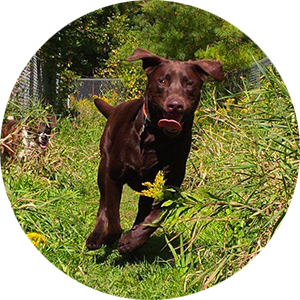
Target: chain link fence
[27, 77]
[234, 80]
[88, 87]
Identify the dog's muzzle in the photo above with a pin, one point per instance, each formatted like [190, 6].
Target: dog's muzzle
[43, 140]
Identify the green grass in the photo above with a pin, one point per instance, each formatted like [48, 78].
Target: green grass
[232, 232]
[241, 176]
[57, 196]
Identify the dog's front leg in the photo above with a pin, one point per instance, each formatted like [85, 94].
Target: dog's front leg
[143, 227]
[107, 228]
[144, 209]
[147, 220]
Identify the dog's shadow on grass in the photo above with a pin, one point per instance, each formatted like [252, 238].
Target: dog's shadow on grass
[154, 250]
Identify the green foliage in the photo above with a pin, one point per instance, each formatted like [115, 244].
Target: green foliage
[226, 30]
[125, 42]
[66, 88]
[84, 45]
[56, 196]
[81, 45]
[75, 51]
[241, 175]
[83, 49]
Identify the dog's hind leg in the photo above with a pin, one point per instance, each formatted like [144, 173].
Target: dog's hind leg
[107, 228]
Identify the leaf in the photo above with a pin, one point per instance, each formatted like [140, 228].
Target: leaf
[167, 203]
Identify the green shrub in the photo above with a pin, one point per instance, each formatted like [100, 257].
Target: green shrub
[131, 74]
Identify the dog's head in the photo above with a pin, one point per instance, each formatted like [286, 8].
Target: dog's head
[41, 132]
[174, 87]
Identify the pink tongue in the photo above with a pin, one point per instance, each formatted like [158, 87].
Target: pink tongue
[43, 146]
[169, 124]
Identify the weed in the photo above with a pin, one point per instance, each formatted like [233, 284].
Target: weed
[241, 175]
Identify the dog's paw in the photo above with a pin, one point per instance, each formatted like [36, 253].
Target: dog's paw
[94, 241]
[133, 240]
[97, 239]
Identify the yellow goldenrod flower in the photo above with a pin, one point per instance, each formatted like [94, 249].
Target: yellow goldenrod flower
[229, 103]
[156, 189]
[221, 111]
[32, 238]
[105, 99]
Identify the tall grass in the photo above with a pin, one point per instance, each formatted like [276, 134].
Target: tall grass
[240, 179]
[237, 214]
[56, 196]
[53, 194]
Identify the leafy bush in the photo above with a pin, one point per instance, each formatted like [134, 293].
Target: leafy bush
[183, 32]
[66, 89]
[125, 41]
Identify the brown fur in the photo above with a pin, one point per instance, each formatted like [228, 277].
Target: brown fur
[11, 135]
[134, 148]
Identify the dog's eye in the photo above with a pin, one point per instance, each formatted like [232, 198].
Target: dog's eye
[189, 83]
[162, 81]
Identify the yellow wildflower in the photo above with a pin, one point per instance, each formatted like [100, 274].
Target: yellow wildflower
[221, 111]
[156, 189]
[105, 99]
[32, 238]
[229, 103]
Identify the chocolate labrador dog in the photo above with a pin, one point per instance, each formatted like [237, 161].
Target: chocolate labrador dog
[144, 136]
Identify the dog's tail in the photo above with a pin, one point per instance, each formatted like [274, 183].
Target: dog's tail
[105, 108]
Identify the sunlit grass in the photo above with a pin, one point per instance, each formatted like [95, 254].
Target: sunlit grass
[241, 175]
[240, 179]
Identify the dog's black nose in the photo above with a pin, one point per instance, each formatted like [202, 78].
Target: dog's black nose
[175, 105]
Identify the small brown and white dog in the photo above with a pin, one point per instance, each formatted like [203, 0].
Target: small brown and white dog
[19, 140]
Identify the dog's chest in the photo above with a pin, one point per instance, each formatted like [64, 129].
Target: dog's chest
[156, 153]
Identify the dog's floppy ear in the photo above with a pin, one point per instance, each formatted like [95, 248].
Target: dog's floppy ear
[208, 67]
[149, 59]
[52, 121]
